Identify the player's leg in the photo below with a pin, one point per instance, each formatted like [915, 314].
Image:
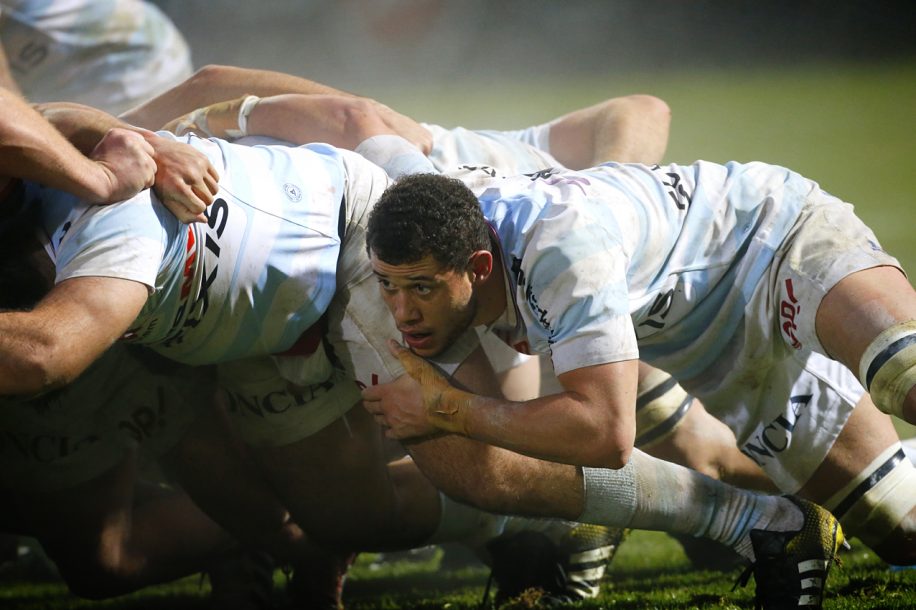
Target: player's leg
[869, 484]
[868, 322]
[336, 485]
[215, 468]
[105, 545]
[838, 293]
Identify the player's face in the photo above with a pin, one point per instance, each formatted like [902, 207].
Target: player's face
[432, 306]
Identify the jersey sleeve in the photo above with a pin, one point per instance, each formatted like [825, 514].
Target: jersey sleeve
[395, 155]
[575, 289]
[125, 240]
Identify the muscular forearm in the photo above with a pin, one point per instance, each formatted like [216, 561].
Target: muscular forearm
[560, 428]
[82, 126]
[26, 351]
[213, 84]
[56, 341]
[33, 149]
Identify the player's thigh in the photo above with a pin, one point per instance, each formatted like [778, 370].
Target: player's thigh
[215, 468]
[335, 482]
[80, 526]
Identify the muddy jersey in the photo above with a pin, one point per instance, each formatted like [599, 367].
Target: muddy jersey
[250, 280]
[623, 255]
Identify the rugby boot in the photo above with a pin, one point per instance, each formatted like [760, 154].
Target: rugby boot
[549, 571]
[791, 568]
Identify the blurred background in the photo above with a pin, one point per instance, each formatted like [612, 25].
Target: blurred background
[825, 87]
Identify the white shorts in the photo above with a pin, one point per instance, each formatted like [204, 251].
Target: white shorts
[68, 437]
[784, 400]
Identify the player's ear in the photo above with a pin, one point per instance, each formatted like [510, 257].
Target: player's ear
[481, 264]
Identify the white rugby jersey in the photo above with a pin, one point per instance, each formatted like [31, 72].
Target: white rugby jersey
[625, 261]
[628, 261]
[249, 281]
[110, 54]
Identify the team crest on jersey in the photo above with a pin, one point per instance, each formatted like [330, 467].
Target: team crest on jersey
[293, 192]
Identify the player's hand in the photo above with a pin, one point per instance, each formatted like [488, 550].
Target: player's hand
[128, 163]
[219, 120]
[419, 403]
[186, 181]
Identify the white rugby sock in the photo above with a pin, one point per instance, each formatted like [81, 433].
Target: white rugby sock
[656, 495]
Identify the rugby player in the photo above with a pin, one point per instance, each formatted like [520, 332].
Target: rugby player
[661, 297]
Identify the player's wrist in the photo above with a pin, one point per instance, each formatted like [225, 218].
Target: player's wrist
[449, 408]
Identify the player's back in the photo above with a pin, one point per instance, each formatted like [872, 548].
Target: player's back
[675, 245]
[247, 282]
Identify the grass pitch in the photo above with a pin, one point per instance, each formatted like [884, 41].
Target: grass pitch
[851, 127]
[650, 571]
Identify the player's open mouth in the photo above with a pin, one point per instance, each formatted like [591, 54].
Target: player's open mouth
[417, 340]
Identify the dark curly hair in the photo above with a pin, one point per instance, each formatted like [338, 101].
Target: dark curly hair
[427, 214]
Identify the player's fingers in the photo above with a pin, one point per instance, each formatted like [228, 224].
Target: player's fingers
[371, 399]
[202, 197]
[211, 180]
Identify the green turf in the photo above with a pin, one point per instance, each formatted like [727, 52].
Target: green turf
[650, 571]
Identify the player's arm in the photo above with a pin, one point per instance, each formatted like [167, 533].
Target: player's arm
[346, 122]
[216, 84]
[65, 332]
[31, 148]
[185, 180]
[590, 423]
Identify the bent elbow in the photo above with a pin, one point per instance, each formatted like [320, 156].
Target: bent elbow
[211, 74]
[610, 450]
[618, 457]
[36, 372]
[655, 107]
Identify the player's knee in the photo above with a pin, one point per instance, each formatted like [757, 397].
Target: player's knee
[887, 369]
[879, 506]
